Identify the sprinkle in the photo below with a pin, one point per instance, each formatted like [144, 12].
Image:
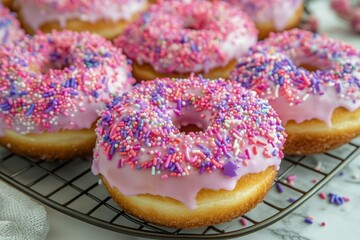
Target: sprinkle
[323, 224]
[291, 200]
[346, 199]
[243, 221]
[230, 169]
[279, 187]
[291, 178]
[322, 195]
[309, 220]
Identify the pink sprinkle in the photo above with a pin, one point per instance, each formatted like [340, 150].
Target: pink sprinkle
[346, 199]
[166, 165]
[291, 178]
[243, 221]
[322, 195]
[165, 176]
[177, 112]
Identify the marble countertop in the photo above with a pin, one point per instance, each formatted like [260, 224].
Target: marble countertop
[341, 221]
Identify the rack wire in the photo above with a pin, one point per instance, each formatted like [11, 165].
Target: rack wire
[71, 188]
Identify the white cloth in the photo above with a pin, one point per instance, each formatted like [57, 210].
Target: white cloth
[20, 218]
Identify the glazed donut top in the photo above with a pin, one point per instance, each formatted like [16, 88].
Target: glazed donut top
[9, 27]
[141, 150]
[296, 93]
[58, 81]
[279, 12]
[38, 12]
[188, 36]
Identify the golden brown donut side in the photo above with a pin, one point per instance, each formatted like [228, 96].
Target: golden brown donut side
[314, 136]
[63, 145]
[147, 72]
[249, 191]
[265, 28]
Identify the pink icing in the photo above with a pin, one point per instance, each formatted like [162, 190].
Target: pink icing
[59, 81]
[188, 36]
[140, 149]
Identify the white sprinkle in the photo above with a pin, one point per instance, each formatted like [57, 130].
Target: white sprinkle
[305, 96]
[277, 91]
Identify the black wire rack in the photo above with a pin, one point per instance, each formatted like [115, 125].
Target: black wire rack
[71, 188]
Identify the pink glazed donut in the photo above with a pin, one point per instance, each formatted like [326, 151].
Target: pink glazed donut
[52, 87]
[175, 38]
[10, 30]
[185, 180]
[313, 83]
[107, 18]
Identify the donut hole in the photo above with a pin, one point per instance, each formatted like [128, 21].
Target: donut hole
[190, 123]
[54, 66]
[192, 24]
[56, 59]
[191, 128]
[309, 67]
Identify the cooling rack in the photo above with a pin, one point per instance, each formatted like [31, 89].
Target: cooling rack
[71, 188]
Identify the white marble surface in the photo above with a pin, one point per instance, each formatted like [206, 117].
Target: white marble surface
[341, 221]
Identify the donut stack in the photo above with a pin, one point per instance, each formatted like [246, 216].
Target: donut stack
[200, 137]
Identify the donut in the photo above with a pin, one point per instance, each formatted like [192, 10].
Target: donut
[9, 27]
[52, 88]
[272, 15]
[312, 82]
[188, 179]
[175, 38]
[349, 11]
[105, 17]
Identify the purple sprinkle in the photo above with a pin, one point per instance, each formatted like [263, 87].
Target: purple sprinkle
[339, 200]
[202, 169]
[279, 187]
[308, 220]
[30, 110]
[230, 169]
[291, 199]
[332, 198]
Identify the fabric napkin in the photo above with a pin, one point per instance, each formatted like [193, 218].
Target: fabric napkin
[20, 217]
